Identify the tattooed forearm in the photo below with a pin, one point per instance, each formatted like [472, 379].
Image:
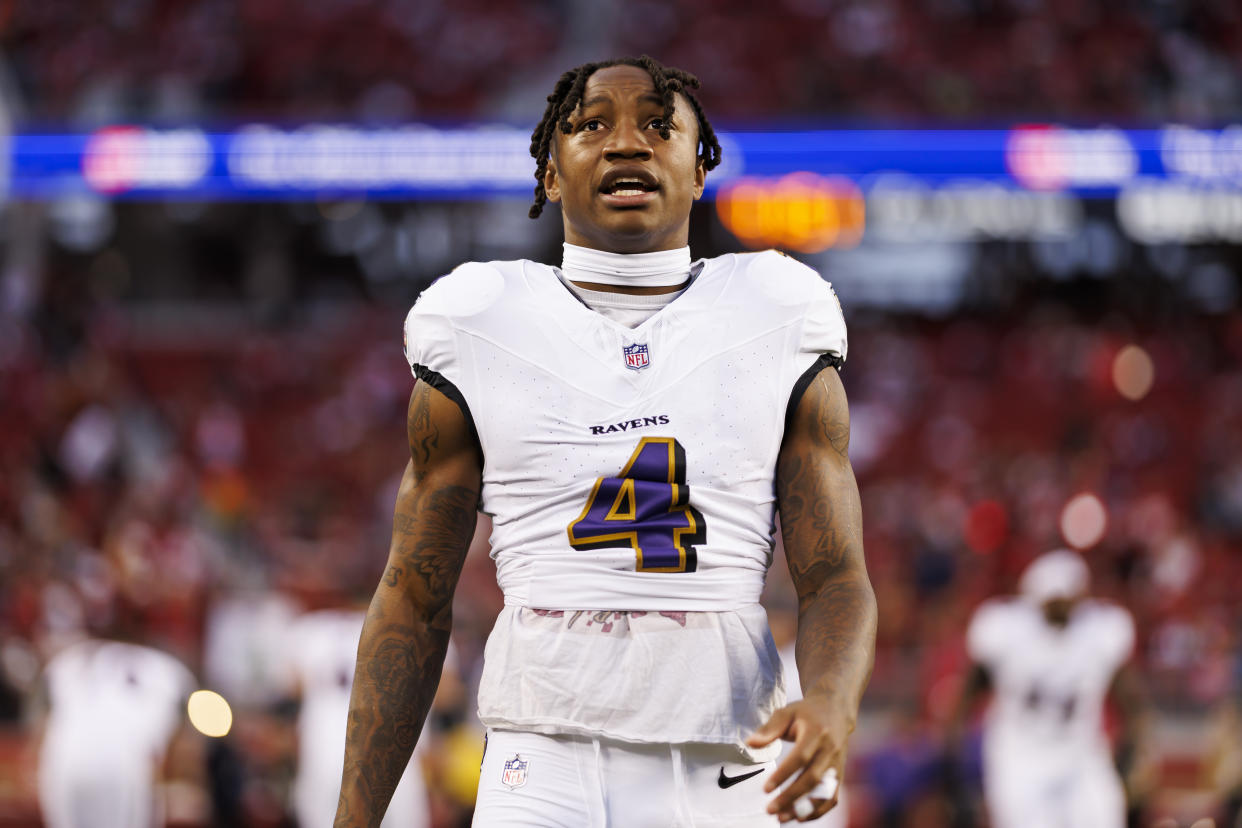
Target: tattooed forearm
[821, 521]
[402, 648]
[835, 645]
[406, 633]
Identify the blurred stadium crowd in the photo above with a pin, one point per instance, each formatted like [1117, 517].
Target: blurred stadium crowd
[947, 60]
[206, 475]
[202, 407]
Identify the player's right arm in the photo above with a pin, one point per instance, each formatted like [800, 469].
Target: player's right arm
[977, 682]
[1134, 762]
[406, 633]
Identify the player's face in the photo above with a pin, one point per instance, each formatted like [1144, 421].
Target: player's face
[622, 187]
[1057, 611]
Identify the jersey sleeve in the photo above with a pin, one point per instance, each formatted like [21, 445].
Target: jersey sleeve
[1117, 636]
[185, 682]
[174, 683]
[429, 338]
[987, 636]
[821, 337]
[790, 282]
[823, 329]
[433, 330]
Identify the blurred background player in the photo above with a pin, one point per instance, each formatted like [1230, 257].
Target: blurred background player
[1052, 657]
[323, 648]
[114, 708]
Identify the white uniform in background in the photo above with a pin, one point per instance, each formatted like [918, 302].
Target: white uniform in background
[629, 473]
[114, 709]
[323, 649]
[1047, 759]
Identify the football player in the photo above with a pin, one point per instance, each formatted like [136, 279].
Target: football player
[631, 421]
[1052, 656]
[113, 709]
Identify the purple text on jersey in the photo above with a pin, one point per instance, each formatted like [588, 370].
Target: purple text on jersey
[630, 425]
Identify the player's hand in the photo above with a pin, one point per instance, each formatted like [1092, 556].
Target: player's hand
[818, 732]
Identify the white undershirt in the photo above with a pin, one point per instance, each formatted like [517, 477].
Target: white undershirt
[664, 267]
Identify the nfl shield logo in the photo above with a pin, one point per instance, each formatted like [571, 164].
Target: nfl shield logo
[514, 774]
[636, 357]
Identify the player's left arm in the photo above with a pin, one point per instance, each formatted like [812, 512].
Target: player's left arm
[1130, 702]
[36, 713]
[821, 520]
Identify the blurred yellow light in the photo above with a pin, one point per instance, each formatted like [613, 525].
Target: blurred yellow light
[801, 211]
[1083, 521]
[209, 713]
[1133, 372]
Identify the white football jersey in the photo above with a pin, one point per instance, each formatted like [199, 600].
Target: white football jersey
[323, 649]
[629, 470]
[114, 707]
[1050, 684]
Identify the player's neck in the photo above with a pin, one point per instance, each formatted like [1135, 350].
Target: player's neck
[639, 274]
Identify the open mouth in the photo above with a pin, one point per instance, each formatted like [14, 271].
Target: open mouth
[629, 187]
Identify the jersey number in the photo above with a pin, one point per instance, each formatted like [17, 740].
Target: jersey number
[645, 507]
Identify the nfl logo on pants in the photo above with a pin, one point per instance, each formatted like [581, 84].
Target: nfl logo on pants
[514, 773]
[636, 357]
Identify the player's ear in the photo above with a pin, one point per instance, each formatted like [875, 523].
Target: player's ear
[700, 179]
[552, 182]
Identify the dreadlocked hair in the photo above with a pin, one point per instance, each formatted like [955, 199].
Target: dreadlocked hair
[568, 94]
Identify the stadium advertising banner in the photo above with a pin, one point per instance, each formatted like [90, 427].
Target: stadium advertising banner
[1175, 183]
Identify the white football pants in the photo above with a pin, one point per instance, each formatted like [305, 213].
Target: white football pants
[529, 780]
[1089, 797]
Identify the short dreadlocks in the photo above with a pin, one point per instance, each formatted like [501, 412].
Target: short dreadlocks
[568, 94]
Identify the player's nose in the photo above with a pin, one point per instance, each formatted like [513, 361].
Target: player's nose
[628, 140]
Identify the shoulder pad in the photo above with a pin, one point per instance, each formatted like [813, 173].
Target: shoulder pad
[469, 289]
[784, 279]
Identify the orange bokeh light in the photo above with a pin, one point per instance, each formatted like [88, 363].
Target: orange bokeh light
[1133, 372]
[801, 211]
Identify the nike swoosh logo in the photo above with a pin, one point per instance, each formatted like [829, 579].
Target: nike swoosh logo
[730, 781]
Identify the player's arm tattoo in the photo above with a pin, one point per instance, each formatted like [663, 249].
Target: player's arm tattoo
[821, 522]
[406, 634]
[422, 429]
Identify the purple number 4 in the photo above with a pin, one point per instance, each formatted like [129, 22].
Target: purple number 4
[645, 507]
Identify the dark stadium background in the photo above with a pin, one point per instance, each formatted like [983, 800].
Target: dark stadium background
[202, 391]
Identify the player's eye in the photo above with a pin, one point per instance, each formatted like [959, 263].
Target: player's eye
[591, 125]
[656, 123]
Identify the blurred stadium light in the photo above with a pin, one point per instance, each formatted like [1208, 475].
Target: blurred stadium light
[1084, 520]
[800, 211]
[209, 713]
